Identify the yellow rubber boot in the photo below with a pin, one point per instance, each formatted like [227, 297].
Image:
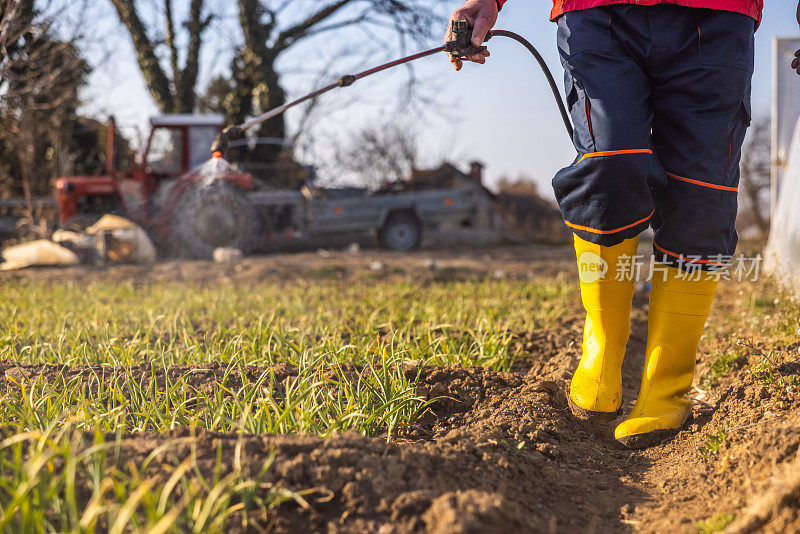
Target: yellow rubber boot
[595, 392]
[679, 306]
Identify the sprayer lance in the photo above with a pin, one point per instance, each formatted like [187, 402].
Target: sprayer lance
[221, 142]
[459, 46]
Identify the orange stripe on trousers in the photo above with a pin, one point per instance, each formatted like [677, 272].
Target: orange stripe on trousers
[684, 258]
[615, 230]
[704, 184]
[614, 153]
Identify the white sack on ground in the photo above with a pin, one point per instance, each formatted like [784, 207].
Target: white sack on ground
[132, 243]
[76, 238]
[41, 252]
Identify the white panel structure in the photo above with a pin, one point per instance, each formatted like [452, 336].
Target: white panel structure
[782, 255]
[785, 108]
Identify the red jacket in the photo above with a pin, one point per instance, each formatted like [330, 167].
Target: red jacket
[751, 8]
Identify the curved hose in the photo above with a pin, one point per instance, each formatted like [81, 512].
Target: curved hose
[545, 69]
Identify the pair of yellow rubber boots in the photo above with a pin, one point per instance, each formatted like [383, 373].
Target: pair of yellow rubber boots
[679, 305]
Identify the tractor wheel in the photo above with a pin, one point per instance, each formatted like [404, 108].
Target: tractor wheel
[213, 216]
[401, 232]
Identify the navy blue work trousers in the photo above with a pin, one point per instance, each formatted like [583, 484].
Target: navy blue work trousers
[660, 100]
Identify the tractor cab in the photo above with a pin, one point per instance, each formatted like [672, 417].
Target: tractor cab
[179, 143]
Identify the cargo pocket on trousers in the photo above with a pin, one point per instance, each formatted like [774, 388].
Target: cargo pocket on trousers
[743, 120]
[584, 30]
[725, 39]
[580, 108]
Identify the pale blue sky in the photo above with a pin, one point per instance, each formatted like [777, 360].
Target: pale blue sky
[500, 113]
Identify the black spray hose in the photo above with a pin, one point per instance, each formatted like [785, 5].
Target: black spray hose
[545, 69]
[460, 46]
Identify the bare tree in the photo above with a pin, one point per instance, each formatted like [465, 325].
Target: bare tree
[173, 90]
[270, 29]
[379, 155]
[754, 182]
[40, 75]
[32, 60]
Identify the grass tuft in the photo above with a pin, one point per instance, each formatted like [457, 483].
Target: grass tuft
[721, 364]
[66, 480]
[716, 524]
[714, 442]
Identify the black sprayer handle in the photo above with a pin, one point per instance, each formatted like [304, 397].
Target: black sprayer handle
[461, 44]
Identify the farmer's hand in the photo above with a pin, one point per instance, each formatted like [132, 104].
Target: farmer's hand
[481, 15]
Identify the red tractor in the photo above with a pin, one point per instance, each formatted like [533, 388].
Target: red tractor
[194, 203]
[160, 191]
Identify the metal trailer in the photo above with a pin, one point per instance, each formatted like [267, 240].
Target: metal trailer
[397, 219]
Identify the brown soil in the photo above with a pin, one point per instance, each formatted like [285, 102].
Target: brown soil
[446, 264]
[503, 453]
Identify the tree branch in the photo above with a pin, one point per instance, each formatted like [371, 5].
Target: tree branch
[173, 48]
[157, 80]
[255, 33]
[364, 17]
[196, 25]
[289, 35]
